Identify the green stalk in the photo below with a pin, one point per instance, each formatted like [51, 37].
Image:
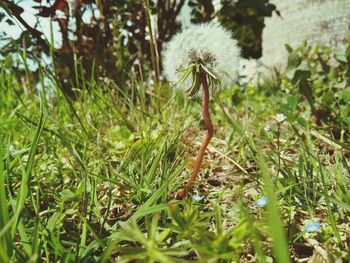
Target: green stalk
[154, 50]
[278, 235]
[5, 239]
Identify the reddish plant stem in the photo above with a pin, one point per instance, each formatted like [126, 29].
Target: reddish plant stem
[210, 132]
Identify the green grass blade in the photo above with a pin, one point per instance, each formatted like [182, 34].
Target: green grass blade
[5, 239]
[148, 207]
[279, 241]
[27, 172]
[329, 209]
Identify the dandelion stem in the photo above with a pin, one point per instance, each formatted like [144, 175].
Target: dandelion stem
[278, 151]
[210, 132]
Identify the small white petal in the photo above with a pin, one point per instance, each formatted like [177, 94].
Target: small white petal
[12, 150]
[267, 128]
[197, 198]
[313, 227]
[262, 201]
[280, 118]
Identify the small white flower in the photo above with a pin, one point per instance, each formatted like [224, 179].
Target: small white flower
[313, 227]
[25, 158]
[267, 128]
[208, 44]
[280, 118]
[12, 150]
[262, 202]
[197, 198]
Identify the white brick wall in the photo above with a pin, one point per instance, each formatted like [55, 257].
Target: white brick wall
[325, 22]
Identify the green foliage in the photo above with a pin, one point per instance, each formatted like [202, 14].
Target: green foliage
[202, 10]
[321, 77]
[90, 179]
[116, 42]
[278, 235]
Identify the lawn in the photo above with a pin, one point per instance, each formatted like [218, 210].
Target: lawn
[91, 178]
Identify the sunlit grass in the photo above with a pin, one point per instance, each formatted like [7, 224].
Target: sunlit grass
[90, 179]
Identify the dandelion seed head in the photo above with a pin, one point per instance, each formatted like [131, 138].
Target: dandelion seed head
[208, 44]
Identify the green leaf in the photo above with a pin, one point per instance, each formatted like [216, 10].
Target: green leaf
[345, 95]
[341, 58]
[209, 72]
[300, 75]
[185, 75]
[27, 172]
[327, 99]
[5, 238]
[293, 60]
[277, 231]
[289, 48]
[149, 206]
[340, 85]
[290, 73]
[196, 84]
[10, 22]
[347, 52]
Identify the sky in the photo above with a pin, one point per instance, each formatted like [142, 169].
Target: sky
[29, 15]
[14, 31]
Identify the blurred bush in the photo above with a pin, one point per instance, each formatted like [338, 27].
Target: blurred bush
[115, 41]
[321, 78]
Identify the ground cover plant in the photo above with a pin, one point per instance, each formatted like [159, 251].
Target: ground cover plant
[90, 180]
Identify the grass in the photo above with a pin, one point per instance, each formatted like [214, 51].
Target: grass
[90, 180]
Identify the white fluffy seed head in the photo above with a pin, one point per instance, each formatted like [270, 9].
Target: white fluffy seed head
[208, 44]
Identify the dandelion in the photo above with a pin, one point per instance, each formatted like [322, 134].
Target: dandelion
[262, 202]
[208, 48]
[313, 227]
[201, 56]
[280, 118]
